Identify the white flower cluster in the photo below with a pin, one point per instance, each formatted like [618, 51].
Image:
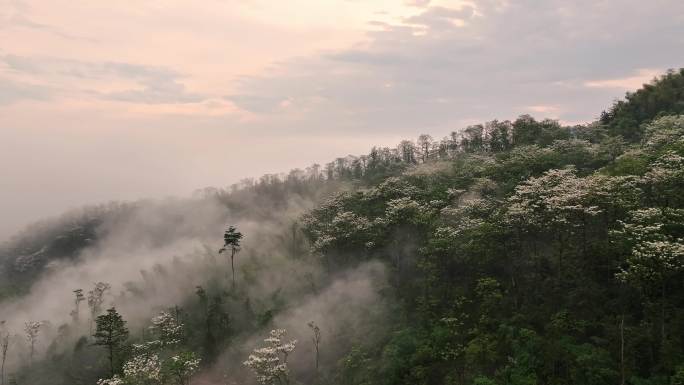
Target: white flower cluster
[655, 254]
[664, 131]
[403, 209]
[143, 369]
[392, 187]
[270, 363]
[557, 197]
[116, 380]
[343, 226]
[167, 328]
[27, 262]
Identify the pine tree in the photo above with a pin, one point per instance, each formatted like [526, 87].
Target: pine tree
[231, 239]
[111, 332]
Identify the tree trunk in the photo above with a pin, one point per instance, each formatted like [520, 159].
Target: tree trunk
[2, 369]
[511, 273]
[561, 246]
[294, 240]
[622, 349]
[232, 264]
[584, 237]
[111, 360]
[317, 360]
[662, 313]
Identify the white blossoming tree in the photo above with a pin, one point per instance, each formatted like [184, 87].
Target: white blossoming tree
[144, 369]
[664, 182]
[159, 361]
[167, 328]
[269, 363]
[558, 201]
[656, 257]
[181, 367]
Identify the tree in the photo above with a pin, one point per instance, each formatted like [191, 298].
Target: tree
[32, 329]
[79, 297]
[558, 201]
[526, 130]
[270, 362]
[181, 367]
[231, 240]
[143, 369]
[159, 361]
[4, 346]
[425, 143]
[473, 138]
[664, 182]
[407, 152]
[111, 332]
[656, 257]
[167, 328]
[316, 339]
[96, 299]
[498, 135]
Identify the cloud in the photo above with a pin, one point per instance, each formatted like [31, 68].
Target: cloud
[441, 18]
[329, 89]
[257, 103]
[11, 92]
[417, 3]
[544, 109]
[15, 14]
[641, 77]
[136, 83]
[445, 66]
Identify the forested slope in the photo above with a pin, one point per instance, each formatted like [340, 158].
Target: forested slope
[512, 252]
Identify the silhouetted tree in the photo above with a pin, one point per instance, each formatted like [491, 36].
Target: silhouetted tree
[231, 241]
[32, 329]
[111, 332]
[78, 298]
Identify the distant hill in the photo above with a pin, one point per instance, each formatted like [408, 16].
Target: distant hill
[664, 96]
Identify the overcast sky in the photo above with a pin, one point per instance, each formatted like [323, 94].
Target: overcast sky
[111, 100]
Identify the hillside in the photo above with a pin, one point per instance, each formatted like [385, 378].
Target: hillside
[512, 252]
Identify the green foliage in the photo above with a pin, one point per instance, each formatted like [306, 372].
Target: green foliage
[112, 334]
[525, 253]
[664, 96]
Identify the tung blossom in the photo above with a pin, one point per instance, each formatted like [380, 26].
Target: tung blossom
[269, 363]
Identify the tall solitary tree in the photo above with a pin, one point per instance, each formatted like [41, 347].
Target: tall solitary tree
[96, 299]
[78, 298]
[111, 332]
[425, 143]
[316, 339]
[32, 328]
[231, 241]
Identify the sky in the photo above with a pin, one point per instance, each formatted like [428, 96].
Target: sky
[120, 100]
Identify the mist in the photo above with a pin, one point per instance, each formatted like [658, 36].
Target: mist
[156, 253]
